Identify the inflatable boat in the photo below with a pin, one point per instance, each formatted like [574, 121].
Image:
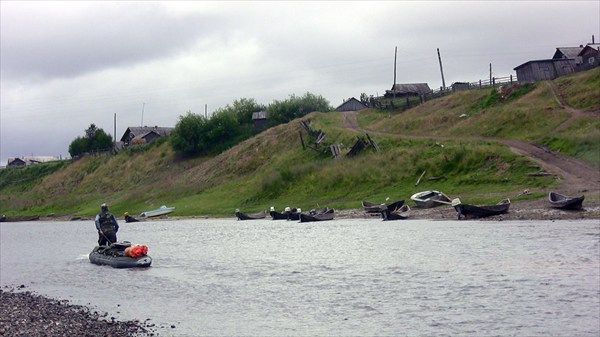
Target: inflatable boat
[121, 255]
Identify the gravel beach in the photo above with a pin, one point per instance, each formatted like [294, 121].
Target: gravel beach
[23, 313]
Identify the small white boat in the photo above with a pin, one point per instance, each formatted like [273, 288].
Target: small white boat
[428, 199]
[162, 210]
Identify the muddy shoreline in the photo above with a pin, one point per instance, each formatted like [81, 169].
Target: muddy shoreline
[522, 210]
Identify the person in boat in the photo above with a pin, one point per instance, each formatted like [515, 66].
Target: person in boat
[129, 218]
[107, 226]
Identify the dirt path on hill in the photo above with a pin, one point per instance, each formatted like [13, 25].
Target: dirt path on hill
[573, 111]
[577, 176]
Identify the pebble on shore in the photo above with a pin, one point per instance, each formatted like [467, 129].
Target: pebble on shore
[23, 313]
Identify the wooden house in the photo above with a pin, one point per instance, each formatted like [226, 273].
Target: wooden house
[407, 89]
[144, 134]
[539, 70]
[30, 160]
[351, 104]
[15, 162]
[590, 57]
[259, 118]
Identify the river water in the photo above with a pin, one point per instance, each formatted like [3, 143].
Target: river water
[337, 278]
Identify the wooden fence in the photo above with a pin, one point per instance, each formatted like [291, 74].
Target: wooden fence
[407, 102]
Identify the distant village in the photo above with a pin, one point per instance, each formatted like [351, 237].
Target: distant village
[566, 60]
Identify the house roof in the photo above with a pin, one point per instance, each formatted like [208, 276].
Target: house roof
[33, 159]
[593, 46]
[352, 100]
[567, 52]
[541, 61]
[409, 88]
[140, 131]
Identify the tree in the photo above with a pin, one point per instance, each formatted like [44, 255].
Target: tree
[295, 107]
[95, 140]
[188, 134]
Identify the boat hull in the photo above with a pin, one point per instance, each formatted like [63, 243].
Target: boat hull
[20, 218]
[371, 207]
[401, 213]
[429, 199]
[157, 212]
[561, 201]
[317, 217]
[250, 216]
[285, 215]
[96, 257]
[467, 210]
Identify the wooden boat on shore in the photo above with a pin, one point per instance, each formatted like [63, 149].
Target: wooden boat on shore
[250, 216]
[321, 214]
[19, 218]
[129, 218]
[371, 207]
[562, 201]
[428, 199]
[162, 210]
[287, 214]
[467, 210]
[400, 213]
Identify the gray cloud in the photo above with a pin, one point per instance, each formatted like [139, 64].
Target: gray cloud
[41, 41]
[70, 64]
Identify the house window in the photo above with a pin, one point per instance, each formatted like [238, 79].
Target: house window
[591, 60]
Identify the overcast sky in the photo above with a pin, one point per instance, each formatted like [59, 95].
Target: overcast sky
[66, 65]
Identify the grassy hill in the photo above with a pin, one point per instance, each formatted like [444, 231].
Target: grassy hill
[453, 139]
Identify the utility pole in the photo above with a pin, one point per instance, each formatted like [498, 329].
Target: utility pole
[490, 74]
[143, 105]
[394, 86]
[205, 110]
[441, 70]
[115, 129]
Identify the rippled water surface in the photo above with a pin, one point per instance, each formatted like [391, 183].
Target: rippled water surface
[335, 278]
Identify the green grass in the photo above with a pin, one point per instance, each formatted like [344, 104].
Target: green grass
[456, 153]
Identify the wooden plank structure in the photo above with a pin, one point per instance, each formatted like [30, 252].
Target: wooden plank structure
[318, 137]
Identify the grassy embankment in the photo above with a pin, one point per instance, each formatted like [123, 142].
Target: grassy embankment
[272, 169]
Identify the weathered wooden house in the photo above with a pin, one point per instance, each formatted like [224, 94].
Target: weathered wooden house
[14, 162]
[407, 89]
[29, 160]
[459, 86]
[539, 70]
[590, 57]
[144, 134]
[259, 118]
[351, 104]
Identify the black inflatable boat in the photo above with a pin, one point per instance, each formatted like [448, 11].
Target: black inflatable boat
[114, 256]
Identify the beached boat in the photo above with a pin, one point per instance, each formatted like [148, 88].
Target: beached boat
[562, 201]
[19, 218]
[371, 207]
[129, 218]
[467, 210]
[162, 210]
[400, 213]
[428, 199]
[118, 255]
[322, 214]
[287, 214]
[250, 216]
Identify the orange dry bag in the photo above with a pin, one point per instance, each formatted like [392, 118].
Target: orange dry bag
[136, 251]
